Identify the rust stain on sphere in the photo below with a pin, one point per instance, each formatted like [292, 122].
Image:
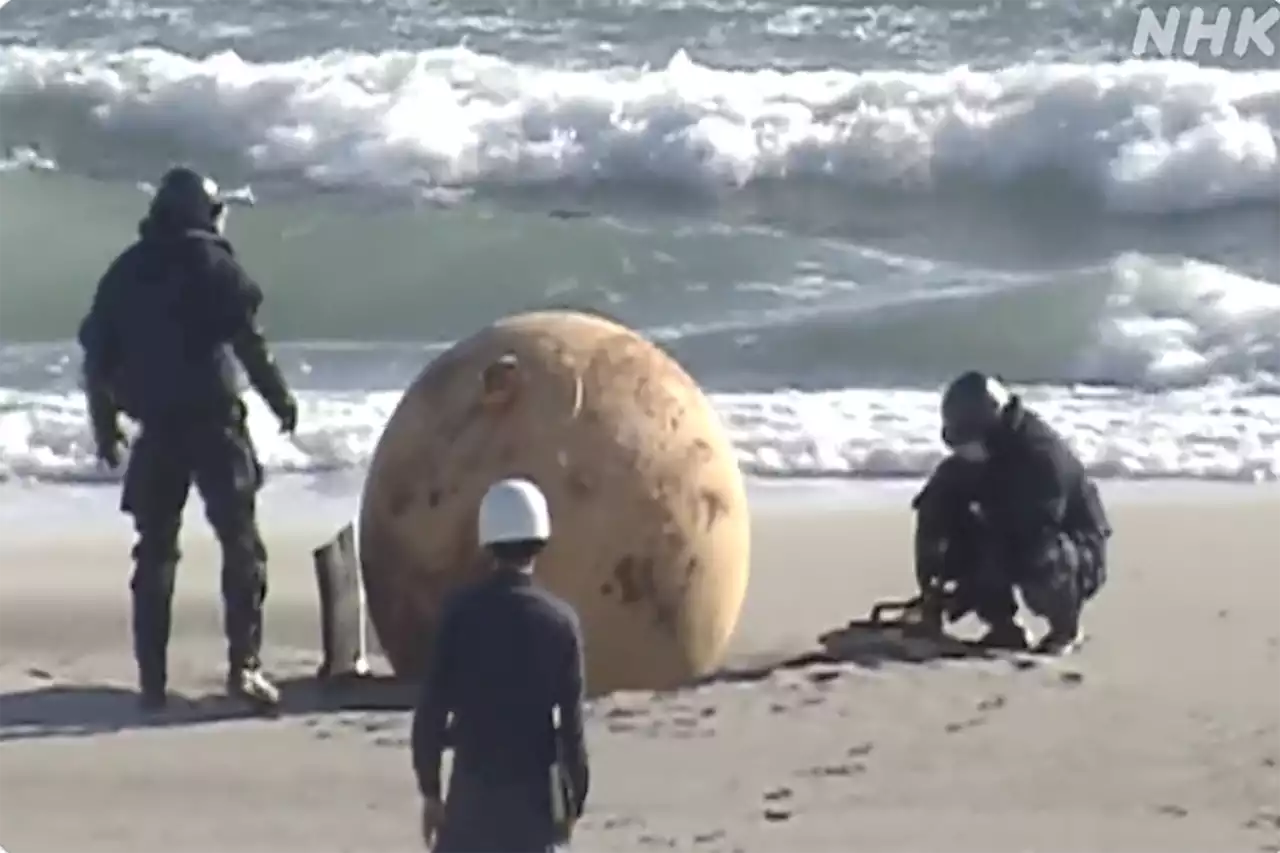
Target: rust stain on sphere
[650, 527]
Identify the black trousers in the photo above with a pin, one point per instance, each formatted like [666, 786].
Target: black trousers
[1056, 577]
[220, 460]
[1055, 581]
[487, 817]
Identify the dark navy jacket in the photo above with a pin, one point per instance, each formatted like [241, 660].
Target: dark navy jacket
[167, 317]
[1034, 487]
[506, 653]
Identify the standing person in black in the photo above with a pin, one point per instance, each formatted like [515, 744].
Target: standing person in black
[506, 662]
[168, 316]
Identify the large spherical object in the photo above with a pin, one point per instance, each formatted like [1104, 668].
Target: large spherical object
[650, 527]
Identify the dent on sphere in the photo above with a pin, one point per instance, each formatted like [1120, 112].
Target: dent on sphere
[650, 538]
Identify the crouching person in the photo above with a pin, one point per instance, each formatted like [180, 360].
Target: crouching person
[1011, 509]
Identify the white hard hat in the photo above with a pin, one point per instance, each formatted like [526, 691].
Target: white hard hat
[514, 510]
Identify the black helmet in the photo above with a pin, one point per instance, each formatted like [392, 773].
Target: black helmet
[188, 197]
[971, 407]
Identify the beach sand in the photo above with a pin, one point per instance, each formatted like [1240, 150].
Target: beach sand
[1161, 733]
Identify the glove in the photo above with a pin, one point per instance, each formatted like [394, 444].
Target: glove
[432, 818]
[933, 611]
[287, 414]
[109, 444]
[104, 421]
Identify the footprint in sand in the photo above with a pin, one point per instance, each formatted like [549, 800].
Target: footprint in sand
[825, 676]
[613, 822]
[953, 728]
[986, 706]
[842, 769]
[685, 728]
[375, 726]
[619, 720]
[774, 812]
[1172, 811]
[991, 703]
[802, 701]
[828, 771]
[656, 841]
[674, 719]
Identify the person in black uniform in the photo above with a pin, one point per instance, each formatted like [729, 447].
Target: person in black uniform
[166, 319]
[1012, 508]
[507, 660]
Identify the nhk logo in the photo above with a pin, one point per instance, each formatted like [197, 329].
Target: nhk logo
[1180, 32]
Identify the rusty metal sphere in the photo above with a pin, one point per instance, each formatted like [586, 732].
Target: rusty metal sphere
[650, 526]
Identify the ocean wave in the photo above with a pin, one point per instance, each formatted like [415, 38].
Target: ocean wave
[1217, 433]
[744, 311]
[1154, 368]
[1136, 137]
[1171, 369]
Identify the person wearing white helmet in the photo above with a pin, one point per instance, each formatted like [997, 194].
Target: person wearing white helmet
[507, 665]
[1012, 508]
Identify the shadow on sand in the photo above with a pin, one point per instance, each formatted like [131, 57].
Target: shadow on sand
[86, 710]
[871, 645]
[80, 710]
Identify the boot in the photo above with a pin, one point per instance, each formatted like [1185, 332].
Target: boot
[152, 698]
[150, 651]
[1005, 635]
[1064, 636]
[153, 692]
[243, 591]
[152, 675]
[251, 685]
[1062, 611]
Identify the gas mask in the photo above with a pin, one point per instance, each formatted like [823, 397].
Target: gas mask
[971, 451]
[220, 219]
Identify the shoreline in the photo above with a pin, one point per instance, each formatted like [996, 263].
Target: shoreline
[296, 500]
